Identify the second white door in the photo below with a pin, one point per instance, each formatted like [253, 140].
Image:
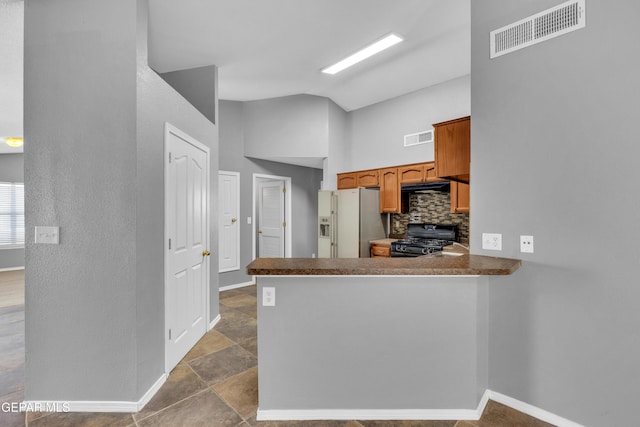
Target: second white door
[272, 225]
[229, 202]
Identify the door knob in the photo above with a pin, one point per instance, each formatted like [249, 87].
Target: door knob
[259, 231]
[234, 219]
[206, 253]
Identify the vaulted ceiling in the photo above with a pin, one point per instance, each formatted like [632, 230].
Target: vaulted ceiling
[271, 48]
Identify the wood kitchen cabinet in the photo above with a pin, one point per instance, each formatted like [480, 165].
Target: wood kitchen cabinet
[368, 178]
[347, 180]
[411, 174]
[380, 251]
[389, 191]
[453, 149]
[459, 197]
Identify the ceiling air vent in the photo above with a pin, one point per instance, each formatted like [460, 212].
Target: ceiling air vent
[554, 22]
[418, 138]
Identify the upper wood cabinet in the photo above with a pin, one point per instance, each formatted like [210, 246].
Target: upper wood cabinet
[430, 173]
[368, 178]
[459, 197]
[453, 149]
[347, 180]
[411, 174]
[389, 191]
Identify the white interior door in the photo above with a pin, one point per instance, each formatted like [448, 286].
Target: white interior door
[187, 236]
[229, 203]
[271, 219]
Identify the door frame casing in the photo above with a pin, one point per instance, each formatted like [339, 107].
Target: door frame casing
[237, 175]
[257, 177]
[170, 129]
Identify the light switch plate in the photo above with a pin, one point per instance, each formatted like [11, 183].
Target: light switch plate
[48, 235]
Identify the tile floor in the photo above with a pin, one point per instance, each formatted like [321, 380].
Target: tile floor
[216, 384]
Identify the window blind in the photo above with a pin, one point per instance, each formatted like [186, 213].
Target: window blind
[11, 215]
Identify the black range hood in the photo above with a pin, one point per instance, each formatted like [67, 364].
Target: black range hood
[443, 186]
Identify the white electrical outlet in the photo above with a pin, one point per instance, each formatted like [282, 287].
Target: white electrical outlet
[492, 241]
[526, 244]
[268, 297]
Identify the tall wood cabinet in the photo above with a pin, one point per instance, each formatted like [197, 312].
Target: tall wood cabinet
[389, 191]
[453, 149]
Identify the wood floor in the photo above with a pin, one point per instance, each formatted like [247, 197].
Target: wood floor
[11, 288]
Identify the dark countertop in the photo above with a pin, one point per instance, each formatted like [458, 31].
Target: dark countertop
[471, 265]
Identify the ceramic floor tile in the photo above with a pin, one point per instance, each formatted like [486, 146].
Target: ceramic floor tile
[251, 290]
[242, 300]
[498, 415]
[202, 410]
[251, 345]
[466, 424]
[241, 392]
[217, 367]
[230, 294]
[212, 341]
[237, 325]
[182, 383]
[83, 419]
[250, 310]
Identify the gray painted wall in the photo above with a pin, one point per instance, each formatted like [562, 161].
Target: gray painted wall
[305, 182]
[11, 170]
[93, 166]
[291, 126]
[80, 170]
[198, 86]
[555, 155]
[377, 132]
[383, 343]
[339, 146]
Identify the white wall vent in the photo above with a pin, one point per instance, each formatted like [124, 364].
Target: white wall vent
[418, 138]
[554, 22]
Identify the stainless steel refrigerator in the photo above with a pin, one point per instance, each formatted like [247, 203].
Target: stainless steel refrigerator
[347, 221]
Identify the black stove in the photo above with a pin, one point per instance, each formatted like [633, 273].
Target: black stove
[424, 239]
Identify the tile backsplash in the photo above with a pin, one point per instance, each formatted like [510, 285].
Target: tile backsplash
[434, 208]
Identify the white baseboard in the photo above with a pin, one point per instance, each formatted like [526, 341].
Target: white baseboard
[375, 414]
[531, 410]
[367, 414]
[96, 406]
[416, 414]
[11, 269]
[237, 285]
[151, 392]
[214, 322]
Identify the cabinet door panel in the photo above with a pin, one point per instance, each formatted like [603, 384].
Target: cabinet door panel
[347, 180]
[459, 197]
[368, 178]
[389, 190]
[452, 148]
[411, 174]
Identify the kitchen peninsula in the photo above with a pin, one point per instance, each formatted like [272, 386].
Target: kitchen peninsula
[374, 338]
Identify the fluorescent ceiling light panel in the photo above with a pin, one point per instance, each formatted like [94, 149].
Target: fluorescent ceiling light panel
[363, 54]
